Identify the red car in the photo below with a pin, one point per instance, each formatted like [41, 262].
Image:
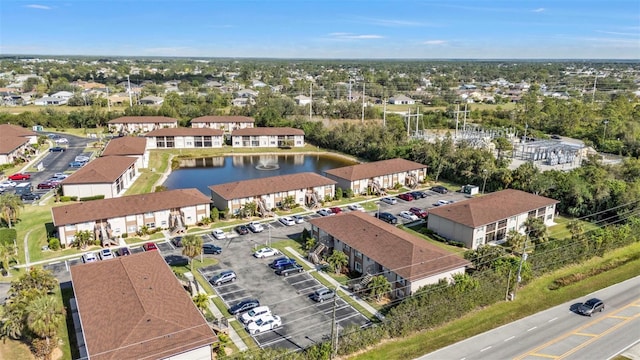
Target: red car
[419, 212]
[149, 246]
[20, 176]
[406, 197]
[335, 210]
[47, 185]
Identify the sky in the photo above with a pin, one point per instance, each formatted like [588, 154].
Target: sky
[359, 29]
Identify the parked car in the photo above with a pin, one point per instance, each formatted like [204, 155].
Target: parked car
[56, 149]
[223, 277]
[218, 234]
[555, 137]
[266, 252]
[440, 189]
[388, 200]
[254, 314]
[244, 305]
[441, 202]
[46, 185]
[176, 260]
[387, 217]
[264, 323]
[298, 219]
[356, 207]
[287, 220]
[211, 249]
[177, 241]
[76, 164]
[60, 175]
[29, 197]
[149, 246]
[418, 194]
[406, 197]
[82, 158]
[106, 254]
[124, 251]
[256, 227]
[242, 229]
[325, 212]
[20, 177]
[408, 215]
[591, 306]
[53, 136]
[419, 212]
[89, 257]
[281, 261]
[335, 210]
[323, 294]
[7, 184]
[62, 141]
[289, 269]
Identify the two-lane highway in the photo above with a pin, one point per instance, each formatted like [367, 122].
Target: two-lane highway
[559, 332]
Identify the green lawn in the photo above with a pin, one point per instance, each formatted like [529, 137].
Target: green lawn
[561, 230]
[531, 299]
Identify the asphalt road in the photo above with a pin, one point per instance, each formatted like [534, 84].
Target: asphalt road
[559, 332]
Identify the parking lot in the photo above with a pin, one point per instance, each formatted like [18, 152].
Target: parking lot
[303, 320]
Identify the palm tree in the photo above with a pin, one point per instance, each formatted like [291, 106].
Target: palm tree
[83, 239]
[338, 260]
[202, 301]
[516, 241]
[191, 247]
[44, 316]
[536, 229]
[7, 254]
[10, 205]
[378, 286]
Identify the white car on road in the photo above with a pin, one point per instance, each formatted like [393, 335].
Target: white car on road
[408, 215]
[287, 220]
[298, 219]
[106, 254]
[7, 184]
[62, 141]
[89, 257]
[218, 234]
[356, 207]
[264, 323]
[256, 227]
[266, 252]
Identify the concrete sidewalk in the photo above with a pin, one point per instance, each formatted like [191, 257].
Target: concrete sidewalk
[337, 285]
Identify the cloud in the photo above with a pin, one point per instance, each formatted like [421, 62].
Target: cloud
[435, 42]
[350, 36]
[36, 6]
[539, 10]
[390, 22]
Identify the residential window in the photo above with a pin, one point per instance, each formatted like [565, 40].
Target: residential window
[170, 141]
[198, 141]
[163, 223]
[150, 225]
[347, 247]
[531, 213]
[132, 229]
[491, 227]
[549, 217]
[148, 214]
[502, 224]
[541, 211]
[358, 253]
[160, 142]
[358, 267]
[70, 227]
[207, 141]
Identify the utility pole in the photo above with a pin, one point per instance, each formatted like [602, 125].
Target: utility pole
[593, 93]
[350, 98]
[310, 100]
[457, 118]
[129, 86]
[362, 120]
[334, 329]
[464, 122]
[108, 101]
[523, 258]
[384, 113]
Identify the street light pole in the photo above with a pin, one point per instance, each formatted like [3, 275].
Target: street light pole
[484, 183]
[604, 132]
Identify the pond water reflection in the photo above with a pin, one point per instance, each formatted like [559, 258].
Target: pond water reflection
[203, 172]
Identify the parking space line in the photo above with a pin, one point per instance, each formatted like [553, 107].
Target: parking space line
[348, 317]
[280, 339]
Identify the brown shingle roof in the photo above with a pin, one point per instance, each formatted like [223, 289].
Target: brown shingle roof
[182, 131]
[133, 307]
[126, 145]
[257, 187]
[126, 205]
[142, 120]
[101, 170]
[373, 169]
[266, 131]
[405, 254]
[12, 137]
[15, 130]
[492, 207]
[223, 119]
